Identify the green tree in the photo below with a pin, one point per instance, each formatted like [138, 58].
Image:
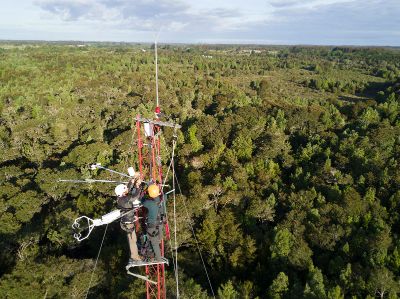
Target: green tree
[279, 286]
[192, 139]
[264, 89]
[227, 291]
[315, 287]
[368, 117]
[243, 147]
[381, 283]
[335, 293]
[66, 278]
[282, 244]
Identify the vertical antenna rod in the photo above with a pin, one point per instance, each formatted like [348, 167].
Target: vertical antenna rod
[155, 48]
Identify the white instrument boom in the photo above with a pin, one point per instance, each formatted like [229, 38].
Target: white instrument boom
[91, 223]
[107, 218]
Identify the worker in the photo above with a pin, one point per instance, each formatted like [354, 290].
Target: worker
[152, 203]
[128, 201]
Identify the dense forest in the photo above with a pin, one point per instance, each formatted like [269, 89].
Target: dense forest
[288, 160]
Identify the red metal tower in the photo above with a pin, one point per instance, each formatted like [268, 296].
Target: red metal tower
[150, 168]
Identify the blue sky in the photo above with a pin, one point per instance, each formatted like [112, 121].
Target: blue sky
[320, 22]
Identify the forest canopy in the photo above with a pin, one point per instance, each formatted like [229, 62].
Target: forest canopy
[288, 161]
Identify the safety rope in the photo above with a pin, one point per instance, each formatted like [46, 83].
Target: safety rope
[170, 245]
[170, 164]
[174, 259]
[95, 264]
[195, 238]
[175, 233]
[131, 148]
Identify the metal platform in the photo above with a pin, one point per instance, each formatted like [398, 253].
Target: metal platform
[144, 263]
[158, 123]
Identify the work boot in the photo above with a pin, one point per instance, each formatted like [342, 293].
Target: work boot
[131, 262]
[134, 262]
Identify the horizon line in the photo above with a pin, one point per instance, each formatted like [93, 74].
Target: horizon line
[200, 43]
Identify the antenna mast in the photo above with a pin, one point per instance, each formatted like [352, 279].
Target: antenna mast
[155, 48]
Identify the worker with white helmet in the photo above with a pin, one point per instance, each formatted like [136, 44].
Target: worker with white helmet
[128, 200]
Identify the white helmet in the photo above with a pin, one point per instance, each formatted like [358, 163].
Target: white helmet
[121, 189]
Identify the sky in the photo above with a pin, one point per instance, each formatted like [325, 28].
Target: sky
[284, 22]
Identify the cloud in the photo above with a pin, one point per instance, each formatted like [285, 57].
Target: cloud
[68, 10]
[303, 4]
[262, 21]
[141, 15]
[373, 22]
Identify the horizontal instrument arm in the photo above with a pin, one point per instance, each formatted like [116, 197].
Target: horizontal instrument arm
[158, 123]
[91, 181]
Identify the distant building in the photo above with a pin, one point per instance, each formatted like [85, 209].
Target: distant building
[250, 51]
